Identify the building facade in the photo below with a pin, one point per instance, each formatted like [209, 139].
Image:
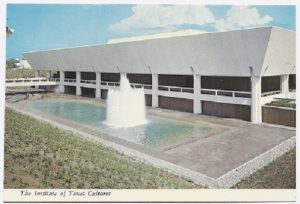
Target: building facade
[227, 74]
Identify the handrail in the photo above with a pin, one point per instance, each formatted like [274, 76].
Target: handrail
[27, 78]
[243, 94]
[20, 80]
[203, 91]
[69, 80]
[175, 89]
[133, 85]
[54, 79]
[138, 85]
[270, 93]
[88, 81]
[110, 83]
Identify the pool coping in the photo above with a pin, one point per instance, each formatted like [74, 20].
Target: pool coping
[227, 180]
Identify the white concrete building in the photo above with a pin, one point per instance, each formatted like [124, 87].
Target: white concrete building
[179, 33]
[226, 74]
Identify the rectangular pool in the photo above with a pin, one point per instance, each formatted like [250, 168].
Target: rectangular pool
[158, 133]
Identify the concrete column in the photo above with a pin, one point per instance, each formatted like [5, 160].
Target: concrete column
[98, 81]
[284, 84]
[61, 81]
[256, 99]
[48, 74]
[197, 92]
[78, 88]
[37, 73]
[154, 90]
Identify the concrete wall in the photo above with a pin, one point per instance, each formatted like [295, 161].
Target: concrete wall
[175, 103]
[49, 88]
[114, 77]
[70, 90]
[88, 76]
[140, 78]
[88, 92]
[176, 80]
[104, 93]
[279, 116]
[270, 83]
[148, 100]
[292, 81]
[226, 110]
[70, 75]
[226, 83]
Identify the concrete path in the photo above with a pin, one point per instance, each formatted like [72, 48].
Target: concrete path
[218, 154]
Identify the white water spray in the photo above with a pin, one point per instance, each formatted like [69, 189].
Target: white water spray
[125, 106]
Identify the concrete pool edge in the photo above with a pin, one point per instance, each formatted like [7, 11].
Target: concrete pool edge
[234, 176]
[225, 181]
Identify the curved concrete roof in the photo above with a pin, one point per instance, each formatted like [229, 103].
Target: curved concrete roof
[269, 50]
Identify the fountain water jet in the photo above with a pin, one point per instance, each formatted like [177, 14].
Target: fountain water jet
[125, 106]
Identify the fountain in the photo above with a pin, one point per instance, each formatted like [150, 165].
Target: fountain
[125, 106]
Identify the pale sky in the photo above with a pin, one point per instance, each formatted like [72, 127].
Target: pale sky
[41, 27]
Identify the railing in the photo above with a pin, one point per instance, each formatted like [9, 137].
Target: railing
[176, 89]
[20, 80]
[219, 92]
[88, 81]
[269, 93]
[54, 79]
[70, 80]
[137, 85]
[23, 82]
[108, 83]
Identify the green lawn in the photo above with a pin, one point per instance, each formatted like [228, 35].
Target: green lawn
[37, 155]
[282, 103]
[280, 173]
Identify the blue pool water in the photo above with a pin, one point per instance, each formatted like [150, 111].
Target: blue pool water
[158, 132]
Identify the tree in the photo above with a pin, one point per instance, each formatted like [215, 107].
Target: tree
[11, 63]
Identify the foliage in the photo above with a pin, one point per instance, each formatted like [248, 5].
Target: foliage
[280, 173]
[37, 155]
[283, 103]
[21, 73]
[11, 63]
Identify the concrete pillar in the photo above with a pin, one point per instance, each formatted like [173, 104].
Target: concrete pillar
[256, 113]
[48, 74]
[98, 82]
[78, 79]
[61, 81]
[284, 85]
[197, 91]
[154, 90]
[37, 73]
